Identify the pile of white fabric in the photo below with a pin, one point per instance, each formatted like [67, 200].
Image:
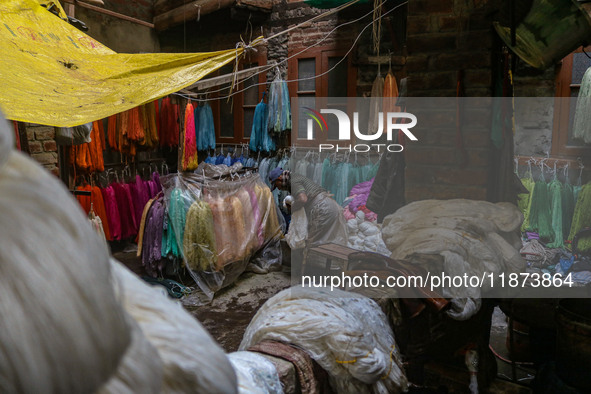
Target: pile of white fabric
[457, 236]
[365, 235]
[71, 321]
[347, 334]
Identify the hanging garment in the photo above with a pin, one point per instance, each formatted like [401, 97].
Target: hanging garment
[190, 145]
[582, 119]
[279, 111]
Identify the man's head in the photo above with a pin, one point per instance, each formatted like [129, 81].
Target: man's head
[279, 179]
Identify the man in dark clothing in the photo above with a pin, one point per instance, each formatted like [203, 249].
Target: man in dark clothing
[326, 222]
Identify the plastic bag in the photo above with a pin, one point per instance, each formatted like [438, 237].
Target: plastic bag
[76, 135]
[298, 230]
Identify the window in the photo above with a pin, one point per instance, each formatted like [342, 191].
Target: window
[568, 82]
[234, 118]
[339, 82]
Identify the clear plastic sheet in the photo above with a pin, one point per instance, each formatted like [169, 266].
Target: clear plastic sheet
[347, 334]
[219, 225]
[255, 373]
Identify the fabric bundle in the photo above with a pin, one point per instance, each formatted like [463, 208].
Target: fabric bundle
[279, 118]
[458, 237]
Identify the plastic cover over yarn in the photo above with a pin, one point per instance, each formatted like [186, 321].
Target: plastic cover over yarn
[347, 334]
[220, 226]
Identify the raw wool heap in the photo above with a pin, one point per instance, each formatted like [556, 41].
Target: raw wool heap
[180, 340]
[347, 334]
[365, 235]
[68, 328]
[459, 236]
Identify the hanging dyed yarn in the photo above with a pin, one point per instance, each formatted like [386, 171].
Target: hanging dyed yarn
[524, 200]
[582, 217]
[555, 190]
[375, 104]
[189, 146]
[199, 243]
[168, 125]
[260, 140]
[204, 127]
[279, 118]
[148, 116]
[582, 119]
[539, 215]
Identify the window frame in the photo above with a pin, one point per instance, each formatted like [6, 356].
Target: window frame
[258, 59]
[560, 126]
[321, 56]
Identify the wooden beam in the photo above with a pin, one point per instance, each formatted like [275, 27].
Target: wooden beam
[162, 6]
[265, 5]
[189, 11]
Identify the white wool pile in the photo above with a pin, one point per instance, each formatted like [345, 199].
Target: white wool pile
[61, 328]
[365, 235]
[346, 333]
[71, 321]
[192, 360]
[255, 373]
[469, 236]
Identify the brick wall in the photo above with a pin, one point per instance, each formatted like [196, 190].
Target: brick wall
[444, 36]
[43, 147]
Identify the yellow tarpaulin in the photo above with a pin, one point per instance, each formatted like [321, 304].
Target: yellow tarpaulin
[53, 74]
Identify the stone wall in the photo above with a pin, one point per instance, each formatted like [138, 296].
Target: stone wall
[445, 36]
[42, 146]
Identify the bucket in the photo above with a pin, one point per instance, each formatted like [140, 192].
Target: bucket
[551, 30]
[573, 342]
